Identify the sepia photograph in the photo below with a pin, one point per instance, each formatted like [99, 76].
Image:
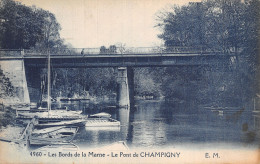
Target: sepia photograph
[129, 81]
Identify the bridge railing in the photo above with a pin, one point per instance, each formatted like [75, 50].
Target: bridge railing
[10, 53]
[99, 51]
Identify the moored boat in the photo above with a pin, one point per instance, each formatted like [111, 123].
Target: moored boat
[101, 122]
[45, 130]
[77, 122]
[101, 115]
[51, 114]
[73, 99]
[53, 135]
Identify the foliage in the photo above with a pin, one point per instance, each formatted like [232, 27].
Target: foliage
[23, 27]
[6, 88]
[82, 82]
[146, 83]
[111, 49]
[7, 117]
[213, 24]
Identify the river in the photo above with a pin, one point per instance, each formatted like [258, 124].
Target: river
[157, 124]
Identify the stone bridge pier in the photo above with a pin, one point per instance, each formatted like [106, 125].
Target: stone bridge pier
[125, 93]
[14, 73]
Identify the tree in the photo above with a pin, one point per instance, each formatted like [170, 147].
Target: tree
[23, 27]
[112, 49]
[103, 49]
[50, 36]
[121, 47]
[218, 25]
[183, 26]
[147, 82]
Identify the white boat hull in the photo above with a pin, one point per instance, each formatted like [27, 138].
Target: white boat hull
[102, 122]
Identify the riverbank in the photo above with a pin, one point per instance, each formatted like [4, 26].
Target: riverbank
[7, 117]
[11, 132]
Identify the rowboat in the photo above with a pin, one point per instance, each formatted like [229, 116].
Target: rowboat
[101, 122]
[50, 114]
[73, 99]
[78, 122]
[46, 130]
[52, 136]
[101, 115]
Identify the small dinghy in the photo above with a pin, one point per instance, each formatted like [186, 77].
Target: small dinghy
[78, 122]
[101, 115]
[101, 122]
[53, 135]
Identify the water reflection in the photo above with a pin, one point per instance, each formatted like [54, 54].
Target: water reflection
[160, 124]
[123, 117]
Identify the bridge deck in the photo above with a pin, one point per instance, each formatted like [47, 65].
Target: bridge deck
[116, 59]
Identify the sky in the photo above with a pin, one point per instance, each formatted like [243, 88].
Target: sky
[93, 23]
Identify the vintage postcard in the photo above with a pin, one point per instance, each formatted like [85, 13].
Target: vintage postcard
[129, 81]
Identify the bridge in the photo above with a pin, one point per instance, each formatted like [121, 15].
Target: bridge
[130, 57]
[28, 62]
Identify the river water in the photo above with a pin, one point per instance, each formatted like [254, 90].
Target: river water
[157, 124]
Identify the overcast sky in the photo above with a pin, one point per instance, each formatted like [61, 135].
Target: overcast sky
[93, 23]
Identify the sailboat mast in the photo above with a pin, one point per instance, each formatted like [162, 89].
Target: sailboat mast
[49, 82]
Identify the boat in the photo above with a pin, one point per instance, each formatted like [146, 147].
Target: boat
[77, 122]
[52, 118]
[54, 132]
[61, 135]
[49, 99]
[101, 122]
[101, 115]
[43, 109]
[50, 141]
[33, 105]
[62, 108]
[46, 130]
[73, 99]
[51, 114]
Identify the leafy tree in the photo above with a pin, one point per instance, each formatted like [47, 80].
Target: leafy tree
[216, 25]
[103, 49]
[147, 82]
[50, 36]
[112, 49]
[183, 26]
[23, 27]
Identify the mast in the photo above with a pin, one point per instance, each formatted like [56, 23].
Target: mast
[49, 83]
